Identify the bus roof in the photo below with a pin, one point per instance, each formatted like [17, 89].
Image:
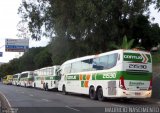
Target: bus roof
[47, 67]
[105, 53]
[16, 74]
[26, 72]
[90, 56]
[137, 51]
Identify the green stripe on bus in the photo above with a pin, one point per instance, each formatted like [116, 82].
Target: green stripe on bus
[135, 75]
[82, 83]
[136, 57]
[73, 77]
[48, 78]
[52, 78]
[106, 76]
[149, 58]
[93, 76]
[84, 77]
[126, 75]
[115, 76]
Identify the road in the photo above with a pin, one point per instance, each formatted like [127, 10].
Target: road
[30, 100]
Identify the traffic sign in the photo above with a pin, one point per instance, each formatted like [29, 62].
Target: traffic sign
[17, 42]
[16, 45]
[15, 50]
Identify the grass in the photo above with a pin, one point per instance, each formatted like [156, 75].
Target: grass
[156, 63]
[155, 58]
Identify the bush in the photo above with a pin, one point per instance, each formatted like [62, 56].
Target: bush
[155, 58]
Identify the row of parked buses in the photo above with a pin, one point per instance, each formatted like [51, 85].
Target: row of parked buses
[118, 73]
[44, 78]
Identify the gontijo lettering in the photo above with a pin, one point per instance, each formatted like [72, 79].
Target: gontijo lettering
[133, 57]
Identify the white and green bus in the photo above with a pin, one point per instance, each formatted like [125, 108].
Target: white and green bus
[26, 79]
[46, 78]
[115, 74]
[16, 78]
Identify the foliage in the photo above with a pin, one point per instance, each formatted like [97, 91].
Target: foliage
[156, 58]
[125, 44]
[42, 59]
[98, 22]
[83, 27]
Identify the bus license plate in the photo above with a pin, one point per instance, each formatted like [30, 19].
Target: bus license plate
[137, 93]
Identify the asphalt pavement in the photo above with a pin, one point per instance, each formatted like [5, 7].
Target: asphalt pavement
[30, 100]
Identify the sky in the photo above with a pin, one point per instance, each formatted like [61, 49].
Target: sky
[8, 27]
[155, 15]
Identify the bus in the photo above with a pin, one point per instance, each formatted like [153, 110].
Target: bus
[26, 79]
[114, 74]
[7, 79]
[16, 78]
[46, 78]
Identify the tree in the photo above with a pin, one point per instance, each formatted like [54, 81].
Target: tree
[102, 20]
[42, 59]
[82, 27]
[125, 44]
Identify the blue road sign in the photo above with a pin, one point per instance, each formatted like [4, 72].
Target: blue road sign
[16, 48]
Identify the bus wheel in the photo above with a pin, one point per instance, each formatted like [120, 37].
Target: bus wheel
[100, 94]
[34, 85]
[46, 86]
[64, 90]
[92, 93]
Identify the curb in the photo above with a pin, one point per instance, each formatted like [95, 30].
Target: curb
[4, 101]
[155, 100]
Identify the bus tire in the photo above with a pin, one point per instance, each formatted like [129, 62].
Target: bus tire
[92, 93]
[46, 87]
[34, 85]
[100, 94]
[64, 90]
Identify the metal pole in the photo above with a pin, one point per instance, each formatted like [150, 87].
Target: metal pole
[2, 46]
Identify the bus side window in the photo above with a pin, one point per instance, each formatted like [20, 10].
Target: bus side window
[104, 61]
[96, 65]
[112, 60]
[86, 65]
[100, 63]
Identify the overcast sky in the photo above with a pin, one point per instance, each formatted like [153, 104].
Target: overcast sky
[8, 28]
[8, 22]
